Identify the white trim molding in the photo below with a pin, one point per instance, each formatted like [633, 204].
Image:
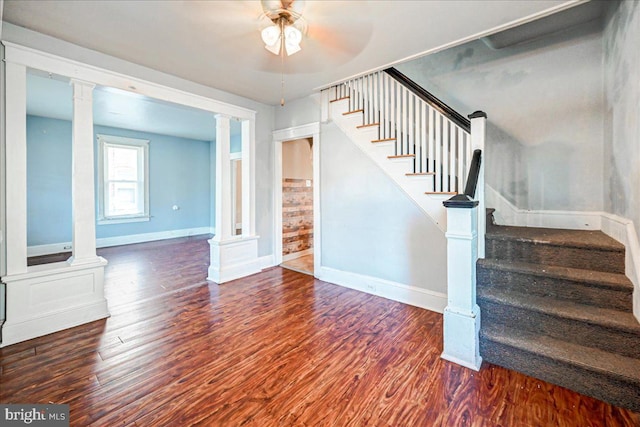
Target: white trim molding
[310, 130]
[407, 294]
[620, 229]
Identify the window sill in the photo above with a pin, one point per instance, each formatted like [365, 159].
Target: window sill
[123, 220]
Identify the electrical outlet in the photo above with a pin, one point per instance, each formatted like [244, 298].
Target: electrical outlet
[66, 247]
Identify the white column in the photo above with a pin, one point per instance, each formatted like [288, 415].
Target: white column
[462, 314]
[82, 178]
[248, 184]
[478, 136]
[233, 257]
[16, 168]
[223, 179]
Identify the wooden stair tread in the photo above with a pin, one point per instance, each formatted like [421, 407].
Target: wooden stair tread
[353, 112]
[368, 125]
[452, 193]
[402, 156]
[340, 99]
[420, 173]
[383, 140]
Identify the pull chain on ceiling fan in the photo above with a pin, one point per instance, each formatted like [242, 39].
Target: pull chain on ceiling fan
[283, 36]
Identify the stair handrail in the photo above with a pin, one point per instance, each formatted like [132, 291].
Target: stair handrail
[466, 200]
[430, 98]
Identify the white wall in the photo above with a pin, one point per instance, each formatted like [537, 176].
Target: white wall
[264, 116]
[297, 160]
[369, 225]
[298, 112]
[622, 127]
[544, 102]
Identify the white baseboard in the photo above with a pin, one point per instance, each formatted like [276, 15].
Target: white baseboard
[267, 261]
[295, 255]
[620, 229]
[106, 242]
[434, 301]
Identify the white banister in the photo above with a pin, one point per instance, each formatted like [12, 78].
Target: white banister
[441, 146]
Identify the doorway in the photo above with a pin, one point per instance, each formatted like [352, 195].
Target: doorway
[297, 201]
[297, 205]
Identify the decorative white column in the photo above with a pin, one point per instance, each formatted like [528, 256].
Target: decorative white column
[50, 297]
[248, 186]
[462, 314]
[233, 257]
[16, 168]
[224, 224]
[82, 181]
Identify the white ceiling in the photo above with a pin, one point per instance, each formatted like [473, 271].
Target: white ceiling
[217, 43]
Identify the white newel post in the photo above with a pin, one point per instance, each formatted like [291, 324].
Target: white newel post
[233, 257]
[83, 192]
[462, 314]
[465, 243]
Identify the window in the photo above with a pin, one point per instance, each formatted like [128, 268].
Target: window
[124, 179]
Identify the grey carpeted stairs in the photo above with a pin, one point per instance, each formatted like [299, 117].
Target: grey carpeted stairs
[556, 305]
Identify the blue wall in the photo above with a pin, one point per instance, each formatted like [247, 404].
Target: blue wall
[179, 173]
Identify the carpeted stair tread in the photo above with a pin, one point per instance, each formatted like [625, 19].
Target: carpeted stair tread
[557, 237]
[594, 278]
[615, 319]
[593, 359]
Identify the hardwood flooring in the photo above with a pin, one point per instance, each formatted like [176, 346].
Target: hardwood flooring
[276, 349]
[303, 264]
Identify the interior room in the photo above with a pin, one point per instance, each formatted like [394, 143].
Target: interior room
[301, 212]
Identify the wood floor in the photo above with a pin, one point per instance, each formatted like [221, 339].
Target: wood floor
[303, 264]
[276, 349]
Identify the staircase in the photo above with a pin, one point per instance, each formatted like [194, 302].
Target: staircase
[556, 305]
[418, 141]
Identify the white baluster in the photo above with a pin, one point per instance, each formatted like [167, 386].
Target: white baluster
[438, 156]
[461, 157]
[425, 142]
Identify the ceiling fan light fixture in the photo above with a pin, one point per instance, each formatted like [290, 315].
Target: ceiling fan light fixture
[270, 35]
[292, 39]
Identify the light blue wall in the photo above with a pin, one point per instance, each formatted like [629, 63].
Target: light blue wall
[178, 174]
[48, 181]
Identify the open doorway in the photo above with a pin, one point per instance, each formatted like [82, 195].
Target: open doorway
[297, 205]
[297, 237]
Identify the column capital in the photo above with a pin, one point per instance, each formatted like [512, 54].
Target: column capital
[222, 117]
[83, 83]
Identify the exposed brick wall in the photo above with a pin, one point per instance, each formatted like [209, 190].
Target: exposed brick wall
[297, 215]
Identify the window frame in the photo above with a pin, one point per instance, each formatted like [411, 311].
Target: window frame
[142, 145]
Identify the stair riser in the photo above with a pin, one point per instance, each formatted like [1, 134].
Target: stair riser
[582, 333]
[612, 389]
[576, 291]
[540, 253]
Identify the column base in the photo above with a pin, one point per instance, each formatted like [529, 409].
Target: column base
[52, 297]
[233, 259]
[462, 338]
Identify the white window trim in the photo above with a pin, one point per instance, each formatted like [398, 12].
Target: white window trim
[132, 142]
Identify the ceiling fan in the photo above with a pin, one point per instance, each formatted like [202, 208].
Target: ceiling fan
[287, 26]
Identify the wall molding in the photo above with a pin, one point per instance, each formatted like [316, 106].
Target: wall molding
[407, 294]
[618, 228]
[106, 242]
